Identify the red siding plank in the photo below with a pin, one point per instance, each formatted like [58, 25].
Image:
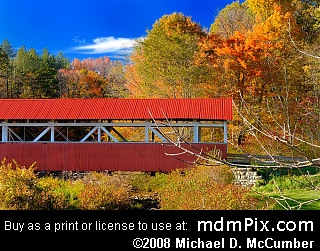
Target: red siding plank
[148, 157]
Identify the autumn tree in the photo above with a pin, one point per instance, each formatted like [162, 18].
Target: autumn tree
[235, 17]
[259, 65]
[295, 86]
[163, 62]
[91, 77]
[264, 9]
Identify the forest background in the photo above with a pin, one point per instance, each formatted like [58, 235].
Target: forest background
[263, 54]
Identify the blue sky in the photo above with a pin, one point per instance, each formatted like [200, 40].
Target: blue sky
[92, 28]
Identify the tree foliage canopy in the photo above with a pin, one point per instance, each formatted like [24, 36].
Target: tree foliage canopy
[164, 59]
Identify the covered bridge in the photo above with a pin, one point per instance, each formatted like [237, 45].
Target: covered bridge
[106, 134]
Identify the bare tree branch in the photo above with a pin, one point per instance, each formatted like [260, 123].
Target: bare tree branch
[294, 44]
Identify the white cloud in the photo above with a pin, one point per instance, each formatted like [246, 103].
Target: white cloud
[78, 40]
[106, 45]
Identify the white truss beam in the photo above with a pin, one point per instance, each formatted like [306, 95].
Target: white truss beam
[12, 132]
[156, 132]
[109, 134]
[89, 134]
[42, 134]
[108, 128]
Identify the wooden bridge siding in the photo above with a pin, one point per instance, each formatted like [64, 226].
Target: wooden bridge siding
[149, 157]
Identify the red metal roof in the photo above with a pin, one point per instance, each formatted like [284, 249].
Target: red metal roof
[116, 109]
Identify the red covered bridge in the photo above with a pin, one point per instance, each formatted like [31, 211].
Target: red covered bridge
[102, 134]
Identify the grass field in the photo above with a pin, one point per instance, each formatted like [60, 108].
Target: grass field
[298, 200]
[293, 192]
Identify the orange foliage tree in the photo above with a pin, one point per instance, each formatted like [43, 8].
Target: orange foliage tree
[92, 78]
[260, 65]
[248, 61]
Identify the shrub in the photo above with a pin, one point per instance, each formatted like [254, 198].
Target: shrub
[200, 187]
[21, 189]
[206, 188]
[64, 191]
[104, 192]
